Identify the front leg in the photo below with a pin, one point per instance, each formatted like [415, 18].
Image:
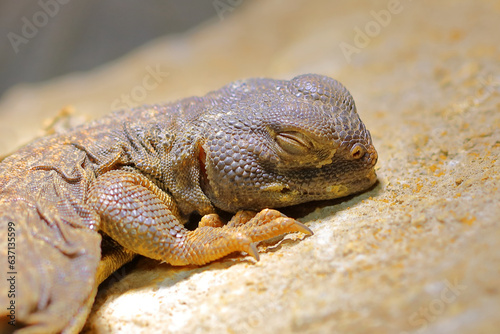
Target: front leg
[144, 219]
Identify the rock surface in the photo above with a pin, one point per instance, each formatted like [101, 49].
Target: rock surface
[420, 252]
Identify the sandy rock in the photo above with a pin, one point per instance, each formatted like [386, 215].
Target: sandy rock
[419, 252]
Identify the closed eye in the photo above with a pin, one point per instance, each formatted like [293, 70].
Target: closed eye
[294, 142]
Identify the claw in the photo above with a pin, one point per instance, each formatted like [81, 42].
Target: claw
[303, 228]
[252, 251]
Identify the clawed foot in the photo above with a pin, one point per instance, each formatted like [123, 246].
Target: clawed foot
[247, 228]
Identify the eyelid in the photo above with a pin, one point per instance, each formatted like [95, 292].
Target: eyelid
[294, 142]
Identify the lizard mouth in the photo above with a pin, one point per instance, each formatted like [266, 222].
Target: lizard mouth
[327, 190]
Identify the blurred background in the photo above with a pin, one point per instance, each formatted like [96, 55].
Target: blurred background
[43, 39]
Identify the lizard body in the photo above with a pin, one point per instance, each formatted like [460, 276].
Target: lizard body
[136, 176]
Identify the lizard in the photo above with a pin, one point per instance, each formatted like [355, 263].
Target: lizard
[83, 202]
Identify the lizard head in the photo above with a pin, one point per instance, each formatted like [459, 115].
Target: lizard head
[285, 142]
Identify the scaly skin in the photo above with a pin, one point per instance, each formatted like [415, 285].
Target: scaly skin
[137, 175]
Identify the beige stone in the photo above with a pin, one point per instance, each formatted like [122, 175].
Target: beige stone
[420, 252]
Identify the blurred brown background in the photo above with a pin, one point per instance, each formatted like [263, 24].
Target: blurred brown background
[47, 38]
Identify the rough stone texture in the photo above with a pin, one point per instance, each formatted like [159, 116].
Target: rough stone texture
[420, 252]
